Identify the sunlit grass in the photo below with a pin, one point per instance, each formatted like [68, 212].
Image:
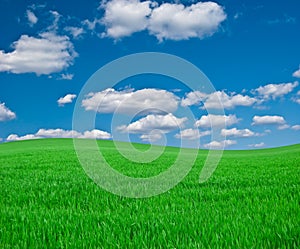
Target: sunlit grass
[47, 201]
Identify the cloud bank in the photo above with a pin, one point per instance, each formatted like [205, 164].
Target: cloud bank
[61, 133]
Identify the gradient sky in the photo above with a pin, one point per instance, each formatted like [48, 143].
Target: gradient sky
[250, 52]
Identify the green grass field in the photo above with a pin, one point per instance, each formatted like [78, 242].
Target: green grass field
[47, 201]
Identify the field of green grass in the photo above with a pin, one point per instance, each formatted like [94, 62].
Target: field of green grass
[47, 201]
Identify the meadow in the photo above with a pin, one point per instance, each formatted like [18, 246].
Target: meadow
[47, 201]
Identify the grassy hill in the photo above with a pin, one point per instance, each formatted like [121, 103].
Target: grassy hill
[47, 201]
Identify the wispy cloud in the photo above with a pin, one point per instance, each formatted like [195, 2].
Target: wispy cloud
[66, 76]
[32, 19]
[258, 145]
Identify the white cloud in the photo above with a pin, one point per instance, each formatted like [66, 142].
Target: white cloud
[66, 76]
[219, 144]
[297, 98]
[276, 90]
[234, 132]
[166, 21]
[124, 17]
[110, 101]
[91, 25]
[56, 17]
[162, 123]
[192, 134]
[227, 101]
[76, 32]
[15, 137]
[296, 127]
[179, 22]
[283, 127]
[268, 120]
[5, 113]
[31, 17]
[95, 134]
[46, 54]
[217, 100]
[238, 15]
[57, 133]
[296, 74]
[66, 99]
[258, 145]
[60, 133]
[193, 98]
[152, 136]
[216, 120]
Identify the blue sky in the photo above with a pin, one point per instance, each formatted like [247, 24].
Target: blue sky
[249, 51]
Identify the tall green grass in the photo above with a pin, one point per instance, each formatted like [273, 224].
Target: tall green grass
[47, 201]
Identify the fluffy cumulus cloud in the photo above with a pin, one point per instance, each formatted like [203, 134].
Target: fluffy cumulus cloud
[207, 121]
[161, 123]
[234, 132]
[32, 19]
[220, 144]
[60, 133]
[192, 134]
[179, 22]
[166, 21]
[5, 113]
[124, 17]
[218, 100]
[110, 101]
[66, 99]
[276, 90]
[268, 120]
[48, 53]
[297, 73]
[193, 98]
